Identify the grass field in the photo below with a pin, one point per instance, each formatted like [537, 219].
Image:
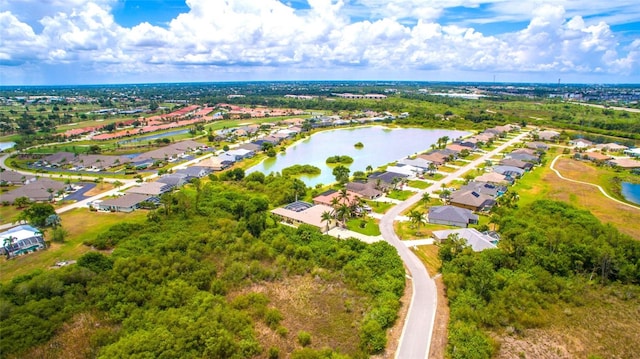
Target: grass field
[400, 195]
[370, 229]
[419, 184]
[544, 183]
[81, 225]
[447, 169]
[379, 207]
[408, 231]
[603, 325]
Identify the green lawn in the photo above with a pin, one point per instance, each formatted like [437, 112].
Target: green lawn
[408, 230]
[435, 176]
[370, 226]
[419, 184]
[81, 225]
[447, 169]
[400, 195]
[379, 207]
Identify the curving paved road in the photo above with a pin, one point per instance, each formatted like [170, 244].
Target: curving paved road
[415, 341]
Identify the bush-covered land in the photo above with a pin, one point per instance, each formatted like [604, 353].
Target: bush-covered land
[300, 170]
[185, 283]
[549, 256]
[339, 159]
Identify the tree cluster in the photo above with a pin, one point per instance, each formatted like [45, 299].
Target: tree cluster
[548, 252]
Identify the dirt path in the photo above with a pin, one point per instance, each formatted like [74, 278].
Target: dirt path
[590, 184]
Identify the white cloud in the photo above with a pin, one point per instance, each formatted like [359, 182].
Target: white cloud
[269, 37]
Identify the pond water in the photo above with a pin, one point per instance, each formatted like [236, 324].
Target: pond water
[381, 146]
[153, 137]
[631, 191]
[6, 145]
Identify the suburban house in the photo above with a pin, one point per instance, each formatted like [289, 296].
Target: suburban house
[299, 212]
[227, 159]
[367, 190]
[386, 180]
[548, 135]
[59, 158]
[633, 152]
[488, 189]
[476, 240]
[215, 163]
[470, 143]
[126, 203]
[581, 143]
[472, 200]
[195, 171]
[611, 147]
[251, 146]
[437, 159]
[407, 170]
[493, 177]
[240, 153]
[451, 216]
[327, 197]
[594, 156]
[15, 178]
[41, 190]
[418, 162]
[155, 189]
[456, 148]
[629, 163]
[172, 151]
[537, 145]
[21, 240]
[509, 171]
[174, 180]
[527, 166]
[523, 157]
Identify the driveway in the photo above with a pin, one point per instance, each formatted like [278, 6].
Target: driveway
[79, 194]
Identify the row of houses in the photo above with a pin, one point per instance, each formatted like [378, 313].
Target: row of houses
[94, 162]
[149, 193]
[35, 189]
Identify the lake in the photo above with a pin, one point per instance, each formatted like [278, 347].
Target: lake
[153, 137]
[381, 146]
[631, 191]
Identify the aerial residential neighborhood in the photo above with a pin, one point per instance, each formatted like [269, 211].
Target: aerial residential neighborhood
[315, 188]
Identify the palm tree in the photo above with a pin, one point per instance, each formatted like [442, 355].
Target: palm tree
[343, 213]
[369, 169]
[8, 241]
[417, 218]
[432, 168]
[426, 198]
[326, 217]
[335, 203]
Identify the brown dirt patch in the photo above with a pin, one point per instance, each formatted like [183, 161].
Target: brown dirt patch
[99, 188]
[607, 325]
[327, 310]
[590, 198]
[73, 340]
[440, 331]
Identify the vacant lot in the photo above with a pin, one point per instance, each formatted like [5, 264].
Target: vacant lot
[81, 225]
[544, 183]
[604, 325]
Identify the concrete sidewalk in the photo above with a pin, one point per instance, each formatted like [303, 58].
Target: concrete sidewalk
[343, 233]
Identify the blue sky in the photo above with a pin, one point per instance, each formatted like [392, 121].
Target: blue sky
[133, 41]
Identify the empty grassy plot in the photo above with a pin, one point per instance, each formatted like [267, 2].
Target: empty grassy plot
[400, 195]
[544, 183]
[366, 226]
[419, 184]
[408, 230]
[80, 225]
[379, 207]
